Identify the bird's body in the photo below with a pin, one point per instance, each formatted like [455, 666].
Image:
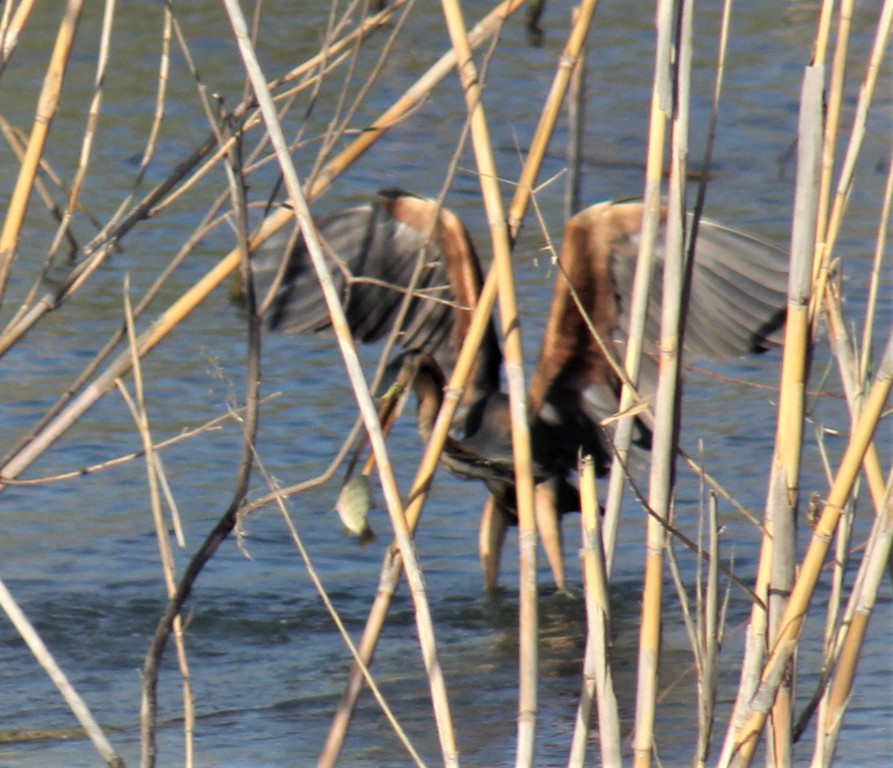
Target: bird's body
[736, 306]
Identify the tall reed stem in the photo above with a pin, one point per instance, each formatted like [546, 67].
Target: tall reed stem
[598, 680]
[514, 366]
[776, 555]
[367, 407]
[549, 117]
[661, 105]
[666, 411]
[791, 624]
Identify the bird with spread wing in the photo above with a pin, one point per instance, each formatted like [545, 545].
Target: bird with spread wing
[403, 261]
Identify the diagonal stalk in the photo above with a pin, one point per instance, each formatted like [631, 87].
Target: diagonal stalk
[791, 624]
[47, 105]
[159, 330]
[424, 621]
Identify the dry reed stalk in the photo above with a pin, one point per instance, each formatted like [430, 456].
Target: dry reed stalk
[661, 107]
[47, 104]
[707, 162]
[710, 628]
[853, 629]
[598, 679]
[208, 426]
[784, 483]
[514, 369]
[854, 388]
[549, 115]
[178, 592]
[181, 308]
[832, 118]
[706, 628]
[576, 114]
[393, 565]
[836, 331]
[661, 479]
[837, 628]
[78, 706]
[301, 211]
[11, 27]
[875, 280]
[846, 363]
[777, 550]
[747, 737]
[63, 230]
[158, 115]
[277, 495]
[661, 98]
[150, 205]
[155, 477]
[16, 143]
[847, 172]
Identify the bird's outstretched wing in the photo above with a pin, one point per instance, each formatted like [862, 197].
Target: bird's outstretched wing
[736, 306]
[400, 245]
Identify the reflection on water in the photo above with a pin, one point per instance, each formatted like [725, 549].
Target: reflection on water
[267, 666]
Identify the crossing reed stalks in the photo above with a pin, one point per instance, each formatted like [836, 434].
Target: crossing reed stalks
[779, 593]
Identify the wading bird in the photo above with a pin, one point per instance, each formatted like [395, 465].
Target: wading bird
[403, 247]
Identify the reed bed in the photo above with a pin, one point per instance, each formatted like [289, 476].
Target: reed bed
[237, 172]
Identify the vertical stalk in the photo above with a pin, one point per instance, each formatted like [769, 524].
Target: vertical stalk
[783, 494]
[709, 636]
[661, 100]
[848, 169]
[666, 405]
[514, 365]
[777, 555]
[11, 26]
[576, 111]
[832, 123]
[598, 679]
[880, 243]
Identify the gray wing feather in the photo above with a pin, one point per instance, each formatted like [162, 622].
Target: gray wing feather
[372, 258]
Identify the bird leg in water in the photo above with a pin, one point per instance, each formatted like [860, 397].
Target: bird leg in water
[494, 522]
[548, 525]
